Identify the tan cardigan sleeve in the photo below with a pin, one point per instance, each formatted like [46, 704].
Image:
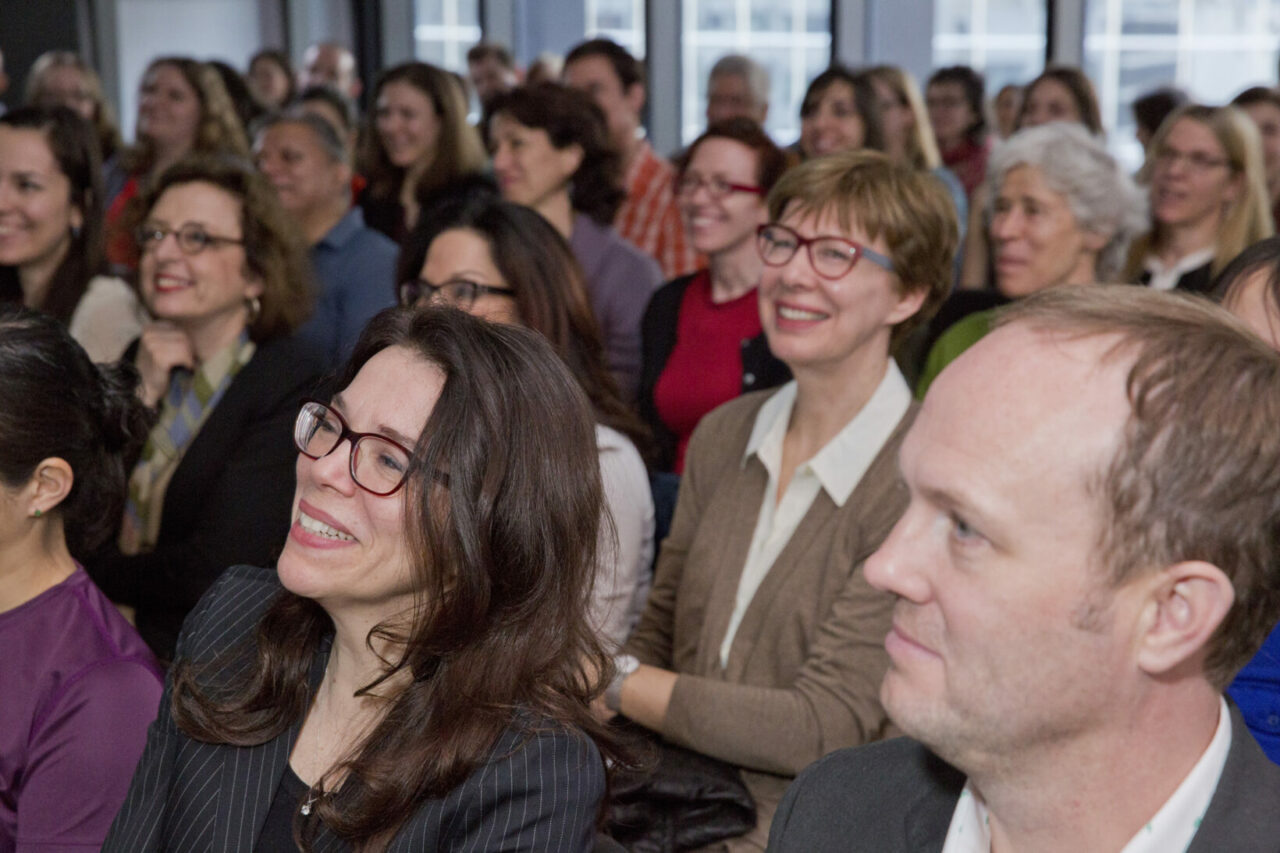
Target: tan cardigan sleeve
[834, 701]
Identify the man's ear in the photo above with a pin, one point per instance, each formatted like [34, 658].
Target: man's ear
[1186, 602]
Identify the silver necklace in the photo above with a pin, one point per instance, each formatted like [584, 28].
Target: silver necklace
[313, 793]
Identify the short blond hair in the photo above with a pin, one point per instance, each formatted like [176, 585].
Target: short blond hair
[911, 210]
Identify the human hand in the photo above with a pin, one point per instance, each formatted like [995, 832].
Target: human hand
[161, 348]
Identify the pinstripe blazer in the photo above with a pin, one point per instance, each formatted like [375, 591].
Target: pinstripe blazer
[539, 791]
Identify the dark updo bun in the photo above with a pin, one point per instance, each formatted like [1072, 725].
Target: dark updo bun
[54, 402]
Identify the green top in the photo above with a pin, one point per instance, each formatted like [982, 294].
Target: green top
[959, 337]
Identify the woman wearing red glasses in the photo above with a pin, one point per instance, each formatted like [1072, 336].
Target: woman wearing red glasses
[701, 341]
[224, 277]
[762, 643]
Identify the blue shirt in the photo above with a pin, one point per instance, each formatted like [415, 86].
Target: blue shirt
[1256, 690]
[355, 270]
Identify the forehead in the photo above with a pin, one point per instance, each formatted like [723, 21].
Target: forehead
[197, 202]
[1186, 132]
[395, 388]
[1050, 89]
[591, 69]
[457, 248]
[403, 93]
[167, 75]
[1025, 421]
[27, 149]
[1026, 179]
[1263, 112]
[290, 133]
[720, 154]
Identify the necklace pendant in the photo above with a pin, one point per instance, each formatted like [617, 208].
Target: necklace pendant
[306, 808]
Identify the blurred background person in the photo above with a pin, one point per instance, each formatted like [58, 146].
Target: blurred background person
[1151, 109]
[1208, 198]
[737, 87]
[492, 70]
[503, 262]
[839, 113]
[551, 152]
[224, 274]
[545, 68]
[418, 147]
[1005, 108]
[648, 217]
[182, 108]
[306, 162]
[1061, 93]
[703, 344]
[762, 645]
[247, 106]
[341, 115]
[416, 672]
[51, 253]
[61, 77]
[1262, 106]
[333, 65]
[80, 686]
[1063, 212]
[954, 97]
[270, 78]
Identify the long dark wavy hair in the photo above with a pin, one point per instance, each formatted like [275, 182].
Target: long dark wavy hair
[502, 508]
[570, 117]
[550, 294]
[74, 147]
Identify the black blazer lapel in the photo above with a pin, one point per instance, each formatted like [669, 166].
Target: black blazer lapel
[929, 817]
[1244, 814]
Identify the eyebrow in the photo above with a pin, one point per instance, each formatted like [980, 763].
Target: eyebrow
[381, 429]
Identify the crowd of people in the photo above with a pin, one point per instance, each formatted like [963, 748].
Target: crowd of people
[409, 481]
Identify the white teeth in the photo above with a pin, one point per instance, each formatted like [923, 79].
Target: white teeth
[798, 314]
[313, 525]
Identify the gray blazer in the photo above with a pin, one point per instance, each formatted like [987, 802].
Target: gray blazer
[539, 792]
[898, 797]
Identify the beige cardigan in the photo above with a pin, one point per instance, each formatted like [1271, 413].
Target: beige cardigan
[804, 670]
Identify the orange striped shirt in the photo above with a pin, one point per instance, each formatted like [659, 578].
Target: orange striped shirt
[650, 219]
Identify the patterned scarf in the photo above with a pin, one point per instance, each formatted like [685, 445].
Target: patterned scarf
[190, 400]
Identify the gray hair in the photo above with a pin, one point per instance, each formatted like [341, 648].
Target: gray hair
[324, 132]
[756, 75]
[1073, 162]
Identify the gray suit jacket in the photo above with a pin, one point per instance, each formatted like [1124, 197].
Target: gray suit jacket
[539, 792]
[898, 797]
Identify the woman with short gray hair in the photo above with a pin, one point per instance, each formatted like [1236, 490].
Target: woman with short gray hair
[1063, 211]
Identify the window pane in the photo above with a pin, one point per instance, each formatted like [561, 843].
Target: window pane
[1213, 49]
[444, 30]
[790, 38]
[1004, 39]
[620, 20]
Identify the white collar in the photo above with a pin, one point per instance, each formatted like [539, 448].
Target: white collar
[840, 464]
[1185, 264]
[1171, 828]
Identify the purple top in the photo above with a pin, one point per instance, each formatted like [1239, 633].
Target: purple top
[78, 688]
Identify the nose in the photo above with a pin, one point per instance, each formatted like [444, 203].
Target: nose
[1006, 225]
[167, 248]
[333, 470]
[896, 566]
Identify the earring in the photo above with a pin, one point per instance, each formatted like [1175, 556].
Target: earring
[75, 232]
[254, 305]
[37, 513]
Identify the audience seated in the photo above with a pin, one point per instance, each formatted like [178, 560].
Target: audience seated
[503, 262]
[492, 70]
[418, 147]
[62, 78]
[51, 207]
[954, 97]
[79, 685]
[737, 87]
[305, 161]
[1262, 105]
[224, 275]
[270, 78]
[183, 108]
[551, 152]
[1208, 199]
[1150, 111]
[702, 340]
[648, 217]
[1076, 584]
[1063, 212]
[416, 673]
[839, 113]
[1005, 108]
[332, 65]
[761, 644]
[1250, 289]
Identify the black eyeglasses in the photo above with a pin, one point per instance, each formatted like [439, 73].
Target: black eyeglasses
[1166, 157]
[377, 464]
[192, 238]
[830, 256]
[458, 292]
[717, 187]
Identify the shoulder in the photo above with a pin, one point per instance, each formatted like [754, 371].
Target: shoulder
[666, 299]
[733, 421]
[229, 611]
[621, 256]
[866, 792]
[282, 364]
[1242, 814]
